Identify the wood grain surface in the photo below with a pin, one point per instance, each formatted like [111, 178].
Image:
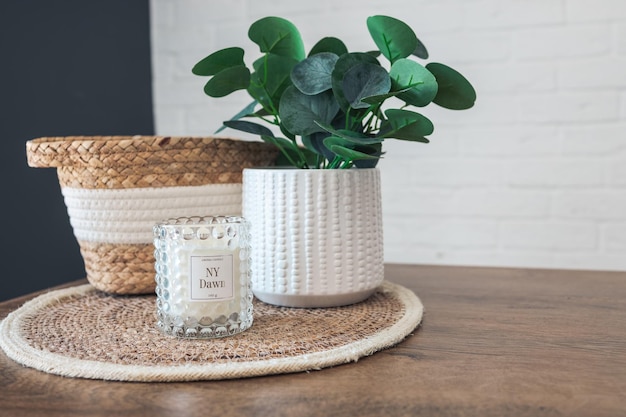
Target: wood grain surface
[493, 342]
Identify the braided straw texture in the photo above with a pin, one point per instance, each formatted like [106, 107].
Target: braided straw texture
[80, 332]
[141, 162]
[119, 268]
[146, 161]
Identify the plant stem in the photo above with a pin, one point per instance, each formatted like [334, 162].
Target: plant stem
[346, 165]
[335, 162]
[319, 161]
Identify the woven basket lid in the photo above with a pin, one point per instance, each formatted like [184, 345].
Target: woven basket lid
[146, 161]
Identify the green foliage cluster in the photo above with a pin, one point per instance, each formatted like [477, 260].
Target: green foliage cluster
[335, 101]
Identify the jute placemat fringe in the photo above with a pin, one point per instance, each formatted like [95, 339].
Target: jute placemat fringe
[81, 332]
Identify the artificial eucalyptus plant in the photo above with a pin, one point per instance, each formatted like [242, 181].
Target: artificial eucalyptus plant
[334, 107]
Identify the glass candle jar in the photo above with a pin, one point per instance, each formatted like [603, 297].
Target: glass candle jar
[202, 275]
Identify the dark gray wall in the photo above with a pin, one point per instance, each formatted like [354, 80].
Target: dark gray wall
[67, 67]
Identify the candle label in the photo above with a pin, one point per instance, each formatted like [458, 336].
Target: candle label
[211, 278]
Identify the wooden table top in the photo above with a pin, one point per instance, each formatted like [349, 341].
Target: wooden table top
[493, 342]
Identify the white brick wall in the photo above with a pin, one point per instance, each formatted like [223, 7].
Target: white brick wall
[534, 175]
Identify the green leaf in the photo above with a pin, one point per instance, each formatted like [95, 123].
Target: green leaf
[329, 44]
[348, 154]
[314, 142]
[420, 50]
[246, 111]
[351, 152]
[331, 141]
[298, 111]
[382, 97]
[343, 65]
[277, 36]
[281, 143]
[364, 80]
[375, 150]
[226, 81]
[394, 38]
[313, 75]
[406, 125]
[248, 127]
[455, 91]
[270, 79]
[405, 117]
[311, 158]
[219, 61]
[298, 157]
[288, 149]
[270, 63]
[261, 112]
[350, 135]
[287, 133]
[421, 83]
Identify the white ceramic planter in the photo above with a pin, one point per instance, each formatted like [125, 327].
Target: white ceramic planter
[317, 235]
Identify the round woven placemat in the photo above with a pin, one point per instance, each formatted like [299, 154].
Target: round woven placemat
[81, 332]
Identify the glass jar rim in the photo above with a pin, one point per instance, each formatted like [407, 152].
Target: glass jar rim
[202, 221]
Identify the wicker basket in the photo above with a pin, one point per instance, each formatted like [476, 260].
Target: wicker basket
[117, 187]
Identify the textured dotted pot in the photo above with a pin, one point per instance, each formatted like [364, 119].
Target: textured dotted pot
[317, 236]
